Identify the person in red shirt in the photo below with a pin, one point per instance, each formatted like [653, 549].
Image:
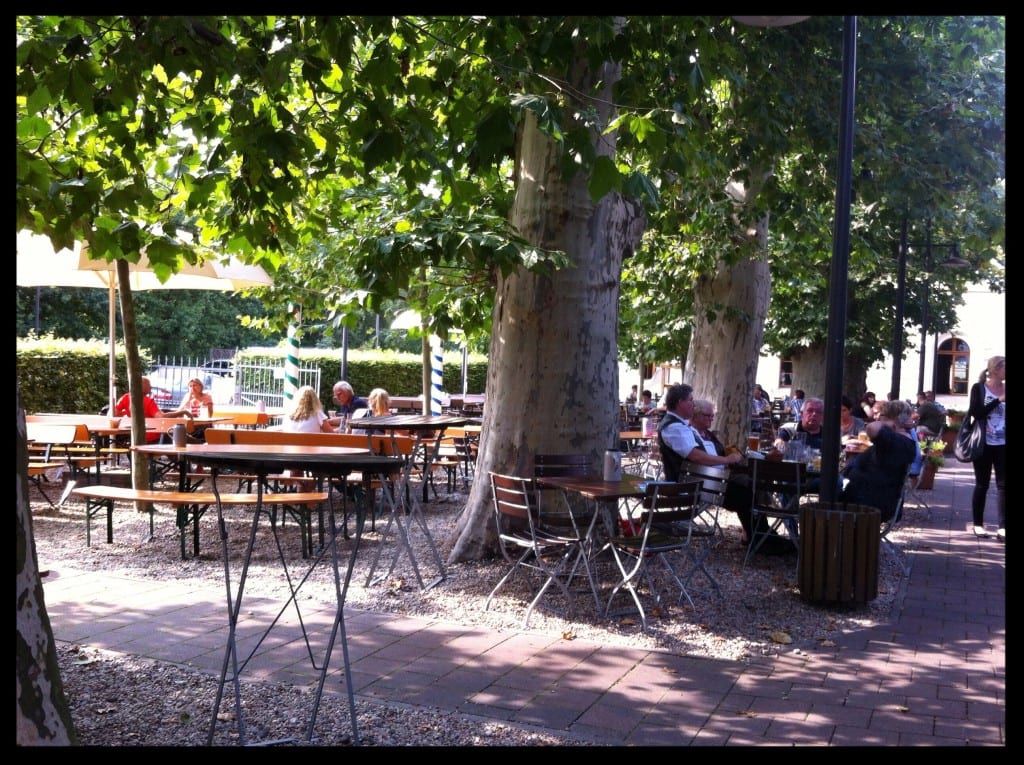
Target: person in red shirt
[123, 408]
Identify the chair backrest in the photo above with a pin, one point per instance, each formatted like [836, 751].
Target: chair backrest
[773, 479]
[714, 480]
[556, 465]
[513, 506]
[894, 521]
[668, 501]
[280, 437]
[54, 434]
[392, 446]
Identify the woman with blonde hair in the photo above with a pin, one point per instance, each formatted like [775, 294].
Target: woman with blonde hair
[307, 415]
[988, 405]
[380, 406]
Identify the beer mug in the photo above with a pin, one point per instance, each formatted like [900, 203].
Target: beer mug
[178, 435]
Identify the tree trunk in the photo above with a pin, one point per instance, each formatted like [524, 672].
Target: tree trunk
[809, 374]
[552, 380]
[41, 713]
[728, 330]
[140, 464]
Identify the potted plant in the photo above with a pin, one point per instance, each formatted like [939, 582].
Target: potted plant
[949, 434]
[933, 460]
[954, 417]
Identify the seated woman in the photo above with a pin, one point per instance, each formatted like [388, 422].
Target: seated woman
[876, 477]
[197, 404]
[307, 415]
[849, 424]
[380, 406]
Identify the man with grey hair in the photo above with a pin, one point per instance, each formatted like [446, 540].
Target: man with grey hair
[812, 413]
[347, 400]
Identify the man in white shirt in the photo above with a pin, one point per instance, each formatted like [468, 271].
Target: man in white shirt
[677, 437]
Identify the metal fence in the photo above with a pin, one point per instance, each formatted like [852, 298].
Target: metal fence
[228, 382]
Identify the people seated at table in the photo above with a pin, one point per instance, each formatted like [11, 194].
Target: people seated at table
[679, 438]
[123, 408]
[760, 405]
[701, 421]
[929, 418]
[307, 414]
[863, 409]
[849, 425]
[197, 403]
[347, 401]
[646, 403]
[875, 478]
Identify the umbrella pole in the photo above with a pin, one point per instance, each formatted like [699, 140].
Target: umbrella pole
[113, 350]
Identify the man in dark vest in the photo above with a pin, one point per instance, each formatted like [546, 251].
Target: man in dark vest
[678, 440]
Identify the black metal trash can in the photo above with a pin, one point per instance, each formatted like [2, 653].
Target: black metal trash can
[839, 547]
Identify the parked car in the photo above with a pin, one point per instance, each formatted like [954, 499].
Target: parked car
[222, 367]
[169, 385]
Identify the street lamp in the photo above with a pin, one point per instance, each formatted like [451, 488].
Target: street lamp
[954, 261]
[836, 346]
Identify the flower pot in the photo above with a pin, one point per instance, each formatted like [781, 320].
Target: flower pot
[928, 476]
[949, 439]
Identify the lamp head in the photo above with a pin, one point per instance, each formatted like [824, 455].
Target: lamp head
[955, 261]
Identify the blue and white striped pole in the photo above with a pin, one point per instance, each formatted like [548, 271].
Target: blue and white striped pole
[291, 363]
[436, 375]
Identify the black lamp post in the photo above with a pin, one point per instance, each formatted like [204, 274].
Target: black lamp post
[954, 261]
[836, 347]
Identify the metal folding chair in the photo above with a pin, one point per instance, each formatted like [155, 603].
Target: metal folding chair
[891, 525]
[667, 523]
[543, 554]
[775, 501]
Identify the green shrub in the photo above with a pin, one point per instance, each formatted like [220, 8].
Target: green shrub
[61, 375]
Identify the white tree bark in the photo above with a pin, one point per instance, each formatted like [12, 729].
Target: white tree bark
[41, 712]
[728, 323]
[552, 382]
[728, 330]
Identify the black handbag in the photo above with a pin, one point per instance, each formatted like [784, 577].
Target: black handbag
[970, 441]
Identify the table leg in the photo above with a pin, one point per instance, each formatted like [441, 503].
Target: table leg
[234, 607]
[231, 658]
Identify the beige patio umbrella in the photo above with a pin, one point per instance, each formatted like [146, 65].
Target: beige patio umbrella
[38, 265]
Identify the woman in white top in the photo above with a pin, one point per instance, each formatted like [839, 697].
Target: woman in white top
[308, 415]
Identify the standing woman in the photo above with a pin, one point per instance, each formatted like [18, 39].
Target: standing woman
[988, 404]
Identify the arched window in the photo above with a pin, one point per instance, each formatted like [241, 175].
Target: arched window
[953, 367]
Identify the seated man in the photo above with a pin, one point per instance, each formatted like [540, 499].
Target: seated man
[930, 419]
[679, 440]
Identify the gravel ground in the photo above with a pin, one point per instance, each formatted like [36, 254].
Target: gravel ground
[119, 699]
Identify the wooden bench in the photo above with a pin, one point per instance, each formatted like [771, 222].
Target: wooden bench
[67, 441]
[103, 497]
[37, 474]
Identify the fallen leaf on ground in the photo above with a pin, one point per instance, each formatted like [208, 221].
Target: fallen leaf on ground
[780, 637]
